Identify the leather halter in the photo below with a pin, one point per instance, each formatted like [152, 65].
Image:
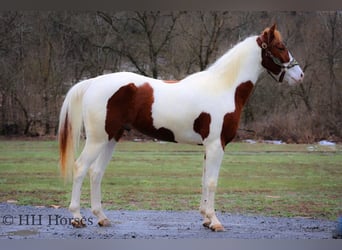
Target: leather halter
[265, 52]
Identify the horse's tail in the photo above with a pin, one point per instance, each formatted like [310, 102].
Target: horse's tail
[70, 125]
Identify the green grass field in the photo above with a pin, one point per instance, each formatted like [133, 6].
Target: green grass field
[277, 180]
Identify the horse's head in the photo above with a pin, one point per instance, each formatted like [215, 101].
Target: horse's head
[276, 58]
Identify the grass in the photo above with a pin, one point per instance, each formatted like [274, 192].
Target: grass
[278, 180]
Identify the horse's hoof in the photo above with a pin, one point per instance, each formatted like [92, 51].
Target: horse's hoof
[104, 223]
[217, 228]
[206, 224]
[77, 223]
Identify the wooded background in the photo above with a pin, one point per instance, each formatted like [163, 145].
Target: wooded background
[43, 53]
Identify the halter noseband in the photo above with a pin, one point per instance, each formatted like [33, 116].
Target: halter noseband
[283, 68]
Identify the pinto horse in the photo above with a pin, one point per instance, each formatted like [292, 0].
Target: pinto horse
[203, 108]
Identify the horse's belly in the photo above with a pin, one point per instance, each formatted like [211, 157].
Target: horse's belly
[171, 132]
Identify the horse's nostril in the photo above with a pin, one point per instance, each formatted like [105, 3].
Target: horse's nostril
[302, 75]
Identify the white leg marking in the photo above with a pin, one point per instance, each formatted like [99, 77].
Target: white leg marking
[96, 172]
[211, 169]
[89, 154]
[204, 198]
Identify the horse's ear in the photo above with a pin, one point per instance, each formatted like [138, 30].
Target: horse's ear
[268, 34]
[271, 33]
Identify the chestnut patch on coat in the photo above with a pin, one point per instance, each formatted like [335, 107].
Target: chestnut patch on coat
[202, 125]
[131, 106]
[231, 120]
[143, 121]
[120, 111]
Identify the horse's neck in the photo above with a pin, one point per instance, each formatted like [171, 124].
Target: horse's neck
[240, 64]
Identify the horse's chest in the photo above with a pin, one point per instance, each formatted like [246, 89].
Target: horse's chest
[231, 119]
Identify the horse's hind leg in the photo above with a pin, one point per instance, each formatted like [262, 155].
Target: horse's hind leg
[96, 172]
[89, 154]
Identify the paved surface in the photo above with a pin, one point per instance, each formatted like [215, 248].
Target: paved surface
[27, 222]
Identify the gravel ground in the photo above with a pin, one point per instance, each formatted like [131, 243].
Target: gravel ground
[28, 222]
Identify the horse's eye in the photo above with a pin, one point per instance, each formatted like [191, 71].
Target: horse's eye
[281, 48]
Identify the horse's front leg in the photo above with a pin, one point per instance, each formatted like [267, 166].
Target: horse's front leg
[211, 168]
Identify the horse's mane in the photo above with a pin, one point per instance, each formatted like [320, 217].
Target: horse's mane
[231, 62]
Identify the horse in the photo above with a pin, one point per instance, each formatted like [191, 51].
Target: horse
[204, 108]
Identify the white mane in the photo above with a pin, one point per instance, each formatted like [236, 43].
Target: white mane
[241, 63]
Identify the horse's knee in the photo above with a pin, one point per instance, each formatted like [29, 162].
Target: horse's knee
[212, 185]
[95, 175]
[79, 172]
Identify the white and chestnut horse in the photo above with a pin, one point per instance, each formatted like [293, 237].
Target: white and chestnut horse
[203, 108]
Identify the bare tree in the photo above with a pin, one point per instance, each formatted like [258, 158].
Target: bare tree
[203, 32]
[43, 53]
[142, 38]
[11, 61]
[331, 47]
